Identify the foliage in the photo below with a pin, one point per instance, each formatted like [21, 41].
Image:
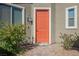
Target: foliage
[11, 36]
[76, 42]
[4, 52]
[68, 40]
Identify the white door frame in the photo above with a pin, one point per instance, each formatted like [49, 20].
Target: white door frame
[49, 9]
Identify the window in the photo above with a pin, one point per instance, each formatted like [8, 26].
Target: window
[16, 15]
[71, 17]
[11, 13]
[5, 13]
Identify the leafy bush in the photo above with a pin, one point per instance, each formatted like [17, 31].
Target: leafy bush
[76, 42]
[68, 40]
[4, 52]
[11, 36]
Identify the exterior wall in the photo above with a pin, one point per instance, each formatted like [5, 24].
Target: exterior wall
[44, 5]
[60, 14]
[29, 11]
[39, 5]
[53, 22]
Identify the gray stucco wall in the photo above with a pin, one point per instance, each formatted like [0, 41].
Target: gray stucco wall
[29, 12]
[60, 18]
[58, 13]
[52, 19]
[53, 22]
[29, 8]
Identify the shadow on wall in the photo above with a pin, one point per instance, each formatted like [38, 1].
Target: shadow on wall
[4, 52]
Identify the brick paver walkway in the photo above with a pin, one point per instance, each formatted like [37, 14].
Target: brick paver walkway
[51, 50]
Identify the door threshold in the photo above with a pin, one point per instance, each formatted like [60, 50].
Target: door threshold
[43, 44]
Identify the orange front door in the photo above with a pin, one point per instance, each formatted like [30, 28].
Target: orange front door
[42, 26]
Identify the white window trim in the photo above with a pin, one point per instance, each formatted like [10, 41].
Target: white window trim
[17, 7]
[66, 25]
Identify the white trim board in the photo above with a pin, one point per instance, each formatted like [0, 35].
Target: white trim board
[49, 22]
[14, 5]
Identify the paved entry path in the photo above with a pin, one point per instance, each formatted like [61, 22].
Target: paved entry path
[50, 50]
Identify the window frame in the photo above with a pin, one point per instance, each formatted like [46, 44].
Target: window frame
[17, 6]
[75, 18]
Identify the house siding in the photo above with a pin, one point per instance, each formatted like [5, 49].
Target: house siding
[60, 19]
[47, 5]
[58, 13]
[55, 28]
[53, 22]
[29, 8]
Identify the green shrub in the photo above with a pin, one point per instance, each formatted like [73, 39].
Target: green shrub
[11, 36]
[68, 40]
[76, 42]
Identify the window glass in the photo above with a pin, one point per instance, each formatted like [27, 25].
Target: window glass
[71, 12]
[5, 12]
[71, 17]
[16, 15]
[71, 22]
